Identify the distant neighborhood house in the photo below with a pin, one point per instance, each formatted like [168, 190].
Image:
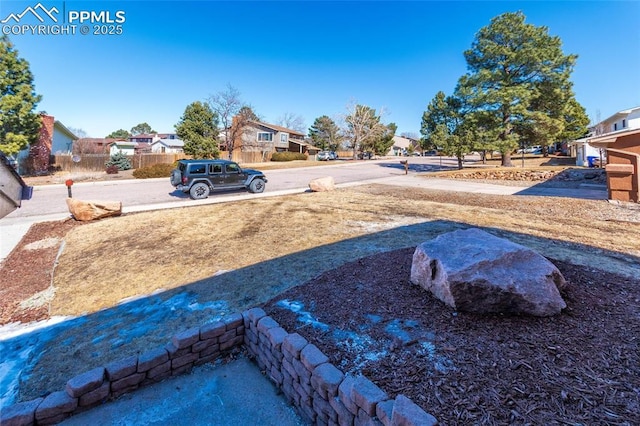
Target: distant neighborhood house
[166, 146]
[122, 147]
[266, 137]
[136, 144]
[53, 138]
[620, 121]
[402, 145]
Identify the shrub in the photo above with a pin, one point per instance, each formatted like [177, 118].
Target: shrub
[155, 171]
[288, 156]
[119, 160]
[112, 170]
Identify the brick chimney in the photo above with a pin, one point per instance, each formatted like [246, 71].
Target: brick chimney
[40, 152]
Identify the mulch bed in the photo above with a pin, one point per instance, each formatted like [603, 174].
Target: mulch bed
[28, 270]
[581, 367]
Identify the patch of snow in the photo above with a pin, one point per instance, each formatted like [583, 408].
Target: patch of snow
[390, 222]
[42, 244]
[440, 363]
[304, 317]
[21, 345]
[39, 299]
[9, 380]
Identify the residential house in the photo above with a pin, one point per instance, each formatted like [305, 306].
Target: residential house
[142, 138]
[168, 145]
[123, 147]
[620, 121]
[54, 138]
[166, 136]
[265, 137]
[402, 145]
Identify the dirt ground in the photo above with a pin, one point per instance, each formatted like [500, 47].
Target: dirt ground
[578, 368]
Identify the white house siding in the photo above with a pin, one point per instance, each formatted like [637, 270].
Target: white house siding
[583, 152]
[167, 146]
[125, 149]
[623, 120]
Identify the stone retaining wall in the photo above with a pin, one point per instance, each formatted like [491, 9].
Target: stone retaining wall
[320, 392]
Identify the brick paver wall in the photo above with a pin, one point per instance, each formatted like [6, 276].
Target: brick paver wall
[320, 393]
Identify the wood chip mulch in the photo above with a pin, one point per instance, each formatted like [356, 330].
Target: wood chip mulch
[581, 367]
[27, 271]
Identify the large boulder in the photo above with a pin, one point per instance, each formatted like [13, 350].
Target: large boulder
[90, 210]
[474, 271]
[322, 184]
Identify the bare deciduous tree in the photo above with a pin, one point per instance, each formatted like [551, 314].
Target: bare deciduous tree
[84, 146]
[227, 104]
[363, 126]
[292, 121]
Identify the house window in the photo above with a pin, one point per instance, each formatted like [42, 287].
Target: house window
[615, 126]
[283, 138]
[624, 123]
[265, 137]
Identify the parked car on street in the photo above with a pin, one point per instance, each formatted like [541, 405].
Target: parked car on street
[324, 156]
[199, 177]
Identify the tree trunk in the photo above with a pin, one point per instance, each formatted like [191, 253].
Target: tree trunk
[460, 163]
[506, 159]
[506, 156]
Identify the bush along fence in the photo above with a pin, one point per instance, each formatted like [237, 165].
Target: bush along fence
[320, 393]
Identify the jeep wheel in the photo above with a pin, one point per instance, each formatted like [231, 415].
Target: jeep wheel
[256, 186]
[199, 191]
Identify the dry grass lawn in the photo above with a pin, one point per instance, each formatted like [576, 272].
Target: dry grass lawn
[307, 234]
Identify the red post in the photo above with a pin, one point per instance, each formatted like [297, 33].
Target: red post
[69, 182]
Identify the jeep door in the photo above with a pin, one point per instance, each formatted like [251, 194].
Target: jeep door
[233, 175]
[215, 175]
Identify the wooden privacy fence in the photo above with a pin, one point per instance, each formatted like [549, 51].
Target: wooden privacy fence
[95, 162]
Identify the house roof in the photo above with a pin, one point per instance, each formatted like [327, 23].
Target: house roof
[98, 141]
[63, 129]
[142, 136]
[621, 114]
[278, 128]
[303, 143]
[402, 142]
[173, 143]
[603, 141]
[124, 143]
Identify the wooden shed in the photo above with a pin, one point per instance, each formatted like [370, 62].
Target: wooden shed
[623, 163]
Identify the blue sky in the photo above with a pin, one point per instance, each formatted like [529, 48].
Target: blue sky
[309, 58]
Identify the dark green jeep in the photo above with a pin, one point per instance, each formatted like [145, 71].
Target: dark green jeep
[199, 177]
